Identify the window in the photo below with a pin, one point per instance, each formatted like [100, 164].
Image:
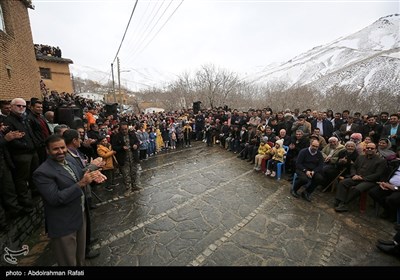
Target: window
[45, 73]
[2, 26]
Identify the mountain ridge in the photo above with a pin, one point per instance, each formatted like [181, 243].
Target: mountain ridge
[343, 54]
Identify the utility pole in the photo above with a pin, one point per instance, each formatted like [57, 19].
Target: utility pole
[113, 82]
[73, 83]
[119, 77]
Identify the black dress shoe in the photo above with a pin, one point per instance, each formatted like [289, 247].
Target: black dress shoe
[294, 193]
[341, 208]
[386, 242]
[93, 206]
[389, 249]
[92, 254]
[306, 196]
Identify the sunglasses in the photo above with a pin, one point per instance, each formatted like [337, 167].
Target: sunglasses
[369, 148]
[19, 105]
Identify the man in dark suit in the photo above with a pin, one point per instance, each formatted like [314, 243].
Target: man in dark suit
[61, 183]
[126, 145]
[387, 192]
[365, 172]
[348, 129]
[325, 126]
[392, 131]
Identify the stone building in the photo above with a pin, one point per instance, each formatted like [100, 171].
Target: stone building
[54, 71]
[19, 72]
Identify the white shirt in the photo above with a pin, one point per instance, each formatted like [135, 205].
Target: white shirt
[395, 180]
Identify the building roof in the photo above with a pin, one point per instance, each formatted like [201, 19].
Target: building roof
[54, 59]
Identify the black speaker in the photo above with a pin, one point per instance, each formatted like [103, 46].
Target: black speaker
[111, 109]
[71, 116]
[196, 107]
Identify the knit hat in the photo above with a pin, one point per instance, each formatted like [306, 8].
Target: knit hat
[280, 143]
[264, 139]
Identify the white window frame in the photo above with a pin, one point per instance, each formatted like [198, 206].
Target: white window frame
[2, 24]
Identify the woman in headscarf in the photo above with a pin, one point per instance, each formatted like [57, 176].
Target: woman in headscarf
[384, 150]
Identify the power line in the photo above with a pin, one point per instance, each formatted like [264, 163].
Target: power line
[126, 29]
[158, 30]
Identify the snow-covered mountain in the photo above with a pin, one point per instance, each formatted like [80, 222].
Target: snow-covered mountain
[368, 60]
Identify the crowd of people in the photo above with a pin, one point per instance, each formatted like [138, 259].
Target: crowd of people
[46, 50]
[317, 147]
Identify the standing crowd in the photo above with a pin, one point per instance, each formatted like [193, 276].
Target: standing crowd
[63, 164]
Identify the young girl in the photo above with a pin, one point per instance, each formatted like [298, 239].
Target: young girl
[159, 141]
[263, 152]
[187, 134]
[278, 154]
[105, 151]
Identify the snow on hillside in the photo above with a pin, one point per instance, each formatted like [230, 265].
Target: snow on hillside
[362, 56]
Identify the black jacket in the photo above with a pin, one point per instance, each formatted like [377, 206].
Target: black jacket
[117, 143]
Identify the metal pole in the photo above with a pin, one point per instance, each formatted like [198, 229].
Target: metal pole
[113, 83]
[119, 77]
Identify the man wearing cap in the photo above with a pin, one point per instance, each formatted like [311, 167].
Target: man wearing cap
[303, 125]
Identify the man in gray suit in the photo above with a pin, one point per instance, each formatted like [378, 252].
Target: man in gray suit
[61, 184]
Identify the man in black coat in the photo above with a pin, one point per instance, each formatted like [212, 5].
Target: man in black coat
[126, 145]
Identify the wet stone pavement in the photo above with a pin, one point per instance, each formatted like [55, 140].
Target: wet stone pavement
[202, 206]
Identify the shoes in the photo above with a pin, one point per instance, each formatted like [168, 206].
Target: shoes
[386, 242]
[257, 168]
[341, 207]
[92, 254]
[268, 172]
[294, 193]
[389, 249]
[336, 203]
[93, 206]
[305, 195]
[387, 215]
[273, 174]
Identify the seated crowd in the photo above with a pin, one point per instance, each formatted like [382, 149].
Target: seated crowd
[361, 152]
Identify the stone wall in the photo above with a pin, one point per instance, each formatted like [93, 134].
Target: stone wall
[22, 229]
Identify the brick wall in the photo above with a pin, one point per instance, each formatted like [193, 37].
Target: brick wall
[19, 72]
[60, 76]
